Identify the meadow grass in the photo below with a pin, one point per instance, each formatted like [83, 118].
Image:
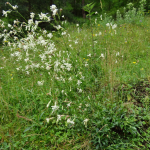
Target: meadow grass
[60, 92]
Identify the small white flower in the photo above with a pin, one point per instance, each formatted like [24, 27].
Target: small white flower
[50, 35]
[76, 42]
[58, 27]
[32, 15]
[107, 24]
[53, 7]
[114, 26]
[15, 7]
[27, 59]
[85, 122]
[9, 25]
[6, 12]
[48, 67]
[86, 64]
[87, 105]
[30, 21]
[100, 33]
[102, 55]
[68, 66]
[55, 107]
[68, 105]
[63, 33]
[69, 121]
[82, 77]
[27, 72]
[17, 68]
[55, 12]
[70, 79]
[96, 12]
[40, 83]
[63, 16]
[89, 55]
[77, 25]
[79, 90]
[48, 119]
[44, 32]
[79, 82]
[58, 118]
[117, 54]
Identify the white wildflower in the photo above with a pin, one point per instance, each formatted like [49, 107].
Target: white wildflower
[48, 67]
[6, 12]
[86, 64]
[15, 7]
[100, 33]
[48, 119]
[55, 12]
[63, 33]
[89, 55]
[79, 90]
[40, 83]
[68, 105]
[114, 26]
[44, 32]
[53, 7]
[117, 54]
[69, 121]
[9, 25]
[50, 35]
[76, 42]
[85, 122]
[58, 118]
[58, 27]
[27, 72]
[32, 15]
[102, 55]
[70, 79]
[107, 24]
[55, 107]
[79, 82]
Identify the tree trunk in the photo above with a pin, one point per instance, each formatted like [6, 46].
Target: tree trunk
[51, 2]
[29, 7]
[83, 12]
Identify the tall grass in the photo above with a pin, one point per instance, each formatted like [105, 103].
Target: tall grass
[57, 93]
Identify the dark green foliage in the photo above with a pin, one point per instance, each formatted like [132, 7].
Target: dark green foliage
[71, 8]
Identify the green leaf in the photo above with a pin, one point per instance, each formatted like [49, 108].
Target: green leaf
[88, 7]
[27, 129]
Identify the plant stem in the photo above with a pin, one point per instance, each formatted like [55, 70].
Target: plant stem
[92, 34]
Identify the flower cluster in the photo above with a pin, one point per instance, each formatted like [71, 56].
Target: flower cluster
[36, 52]
[54, 9]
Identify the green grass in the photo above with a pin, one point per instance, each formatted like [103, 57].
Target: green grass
[113, 95]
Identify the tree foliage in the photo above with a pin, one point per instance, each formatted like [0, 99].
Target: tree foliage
[71, 8]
